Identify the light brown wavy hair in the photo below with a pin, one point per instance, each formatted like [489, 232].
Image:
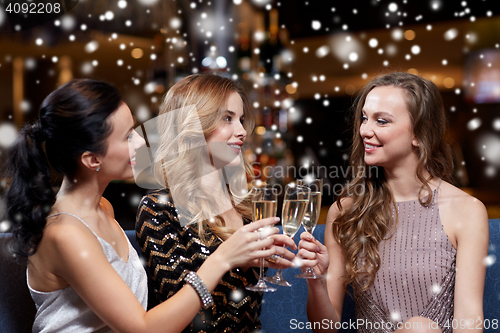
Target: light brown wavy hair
[200, 99]
[369, 219]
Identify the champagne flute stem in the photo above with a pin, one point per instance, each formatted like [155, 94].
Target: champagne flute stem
[279, 268]
[261, 270]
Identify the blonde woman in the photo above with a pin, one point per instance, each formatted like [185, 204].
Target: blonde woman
[411, 244]
[203, 122]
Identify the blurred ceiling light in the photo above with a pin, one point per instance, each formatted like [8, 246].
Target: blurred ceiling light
[287, 56]
[142, 113]
[471, 38]
[397, 34]
[488, 146]
[436, 4]
[342, 47]
[449, 82]
[221, 62]
[175, 23]
[287, 103]
[150, 88]
[207, 61]
[322, 51]
[68, 22]
[30, 63]
[2, 17]
[413, 71]
[137, 53]
[8, 134]
[474, 124]
[259, 36]
[373, 42]
[86, 68]
[450, 34]
[91, 46]
[391, 50]
[496, 124]
[260, 130]
[316, 25]
[160, 89]
[409, 34]
[261, 2]
[122, 4]
[148, 2]
[109, 15]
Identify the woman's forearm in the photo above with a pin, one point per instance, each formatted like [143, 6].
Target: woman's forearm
[319, 306]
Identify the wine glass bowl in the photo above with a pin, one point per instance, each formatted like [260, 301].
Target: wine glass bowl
[311, 216]
[294, 208]
[264, 205]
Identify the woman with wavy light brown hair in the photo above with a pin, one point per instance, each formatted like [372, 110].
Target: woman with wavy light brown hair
[409, 243]
[203, 123]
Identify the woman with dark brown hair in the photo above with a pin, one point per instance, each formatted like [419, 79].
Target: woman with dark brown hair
[409, 243]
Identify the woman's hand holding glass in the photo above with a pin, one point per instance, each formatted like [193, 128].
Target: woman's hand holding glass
[265, 203]
[248, 244]
[313, 254]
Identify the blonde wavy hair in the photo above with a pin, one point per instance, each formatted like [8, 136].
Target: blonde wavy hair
[200, 99]
[369, 219]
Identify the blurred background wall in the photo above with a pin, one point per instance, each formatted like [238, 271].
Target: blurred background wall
[302, 62]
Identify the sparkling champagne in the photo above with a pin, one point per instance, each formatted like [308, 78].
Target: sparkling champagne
[312, 214]
[293, 214]
[263, 209]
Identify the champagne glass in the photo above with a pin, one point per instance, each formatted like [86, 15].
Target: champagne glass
[294, 207]
[265, 204]
[312, 215]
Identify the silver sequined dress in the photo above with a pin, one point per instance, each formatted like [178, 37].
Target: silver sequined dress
[64, 311]
[416, 275]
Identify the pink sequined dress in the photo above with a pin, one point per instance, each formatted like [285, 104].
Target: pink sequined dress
[416, 275]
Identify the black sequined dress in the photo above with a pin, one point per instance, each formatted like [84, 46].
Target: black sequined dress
[170, 249]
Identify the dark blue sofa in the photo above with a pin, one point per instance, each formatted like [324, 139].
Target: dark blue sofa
[282, 311]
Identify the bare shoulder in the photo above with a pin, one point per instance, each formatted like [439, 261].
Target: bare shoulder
[462, 215]
[107, 207]
[66, 233]
[335, 211]
[460, 205]
[66, 242]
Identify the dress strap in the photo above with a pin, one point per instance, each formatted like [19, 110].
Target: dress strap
[436, 192]
[56, 214]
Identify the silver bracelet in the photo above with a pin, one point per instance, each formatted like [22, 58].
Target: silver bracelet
[194, 280]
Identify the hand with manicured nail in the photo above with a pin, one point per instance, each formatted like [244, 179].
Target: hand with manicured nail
[313, 254]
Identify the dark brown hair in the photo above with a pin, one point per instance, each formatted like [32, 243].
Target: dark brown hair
[368, 220]
[72, 120]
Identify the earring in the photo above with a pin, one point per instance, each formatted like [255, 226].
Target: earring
[98, 168]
